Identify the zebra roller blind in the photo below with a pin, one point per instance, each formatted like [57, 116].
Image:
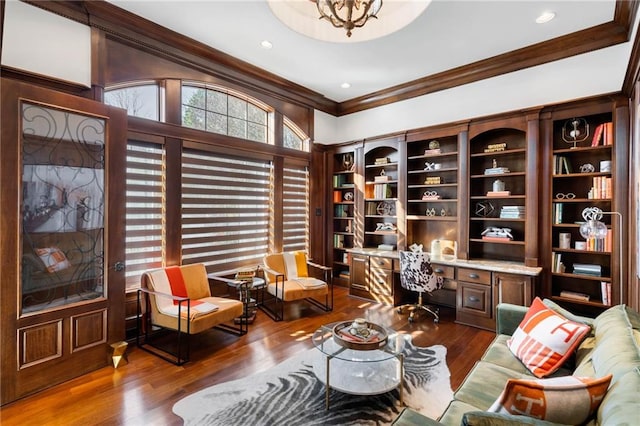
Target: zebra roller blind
[295, 207]
[144, 210]
[225, 210]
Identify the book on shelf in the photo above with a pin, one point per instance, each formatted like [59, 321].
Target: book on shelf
[371, 337]
[597, 135]
[381, 190]
[337, 196]
[496, 147]
[338, 241]
[556, 263]
[575, 295]
[389, 247]
[383, 160]
[605, 290]
[601, 188]
[496, 239]
[498, 193]
[587, 269]
[433, 180]
[600, 244]
[512, 212]
[608, 133]
[561, 165]
[435, 151]
[496, 171]
[382, 178]
[557, 213]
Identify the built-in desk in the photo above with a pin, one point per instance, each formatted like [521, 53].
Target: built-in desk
[472, 287]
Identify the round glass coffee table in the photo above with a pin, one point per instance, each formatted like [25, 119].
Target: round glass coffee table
[366, 369]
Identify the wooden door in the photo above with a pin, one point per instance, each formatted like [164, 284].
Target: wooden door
[512, 288]
[62, 226]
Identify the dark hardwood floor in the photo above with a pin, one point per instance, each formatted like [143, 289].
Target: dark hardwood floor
[143, 391]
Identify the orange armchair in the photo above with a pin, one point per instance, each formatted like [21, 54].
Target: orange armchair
[178, 298]
[288, 278]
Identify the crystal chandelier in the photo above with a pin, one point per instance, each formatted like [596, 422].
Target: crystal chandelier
[341, 12]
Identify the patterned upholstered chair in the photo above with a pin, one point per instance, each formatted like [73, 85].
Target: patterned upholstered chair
[288, 278]
[416, 274]
[178, 298]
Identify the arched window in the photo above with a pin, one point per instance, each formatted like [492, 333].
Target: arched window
[293, 137]
[219, 110]
[141, 99]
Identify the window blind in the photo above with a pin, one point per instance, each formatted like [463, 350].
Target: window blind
[295, 208]
[144, 218]
[225, 210]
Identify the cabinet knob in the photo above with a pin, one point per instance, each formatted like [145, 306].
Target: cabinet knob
[119, 266]
[473, 299]
[474, 276]
[438, 270]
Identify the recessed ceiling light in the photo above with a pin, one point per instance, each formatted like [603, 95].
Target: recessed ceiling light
[345, 85]
[545, 17]
[266, 44]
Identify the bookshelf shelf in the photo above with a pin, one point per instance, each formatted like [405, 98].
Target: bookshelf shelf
[496, 175]
[583, 149]
[508, 242]
[433, 218]
[517, 151]
[579, 302]
[433, 156]
[581, 276]
[506, 197]
[496, 219]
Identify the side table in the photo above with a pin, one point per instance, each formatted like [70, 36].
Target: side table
[244, 294]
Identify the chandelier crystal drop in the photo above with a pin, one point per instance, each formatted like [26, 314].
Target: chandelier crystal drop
[348, 14]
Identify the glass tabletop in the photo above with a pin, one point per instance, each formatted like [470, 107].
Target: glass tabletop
[323, 339]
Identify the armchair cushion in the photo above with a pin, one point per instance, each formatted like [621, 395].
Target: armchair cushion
[295, 265]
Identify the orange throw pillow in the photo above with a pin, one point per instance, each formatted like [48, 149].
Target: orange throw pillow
[544, 340]
[567, 400]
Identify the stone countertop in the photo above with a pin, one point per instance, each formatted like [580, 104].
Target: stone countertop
[484, 264]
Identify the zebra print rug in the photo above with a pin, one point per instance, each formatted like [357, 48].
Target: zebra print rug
[289, 394]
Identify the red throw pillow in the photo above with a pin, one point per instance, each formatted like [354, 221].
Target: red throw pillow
[545, 339]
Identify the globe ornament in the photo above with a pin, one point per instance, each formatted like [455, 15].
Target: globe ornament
[434, 144]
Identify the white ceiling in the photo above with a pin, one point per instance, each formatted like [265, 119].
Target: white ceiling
[446, 35]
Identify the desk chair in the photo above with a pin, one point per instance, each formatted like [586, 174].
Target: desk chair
[416, 274]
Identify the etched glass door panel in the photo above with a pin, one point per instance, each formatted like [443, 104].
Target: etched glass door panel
[62, 208]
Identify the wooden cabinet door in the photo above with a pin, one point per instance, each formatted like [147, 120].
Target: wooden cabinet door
[512, 288]
[360, 272]
[62, 226]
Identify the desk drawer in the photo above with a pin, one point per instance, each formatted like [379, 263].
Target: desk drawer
[381, 281]
[474, 276]
[380, 262]
[445, 271]
[474, 299]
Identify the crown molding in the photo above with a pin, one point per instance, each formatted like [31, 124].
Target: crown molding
[152, 37]
[598, 37]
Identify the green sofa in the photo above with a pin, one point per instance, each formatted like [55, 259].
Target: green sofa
[613, 346]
